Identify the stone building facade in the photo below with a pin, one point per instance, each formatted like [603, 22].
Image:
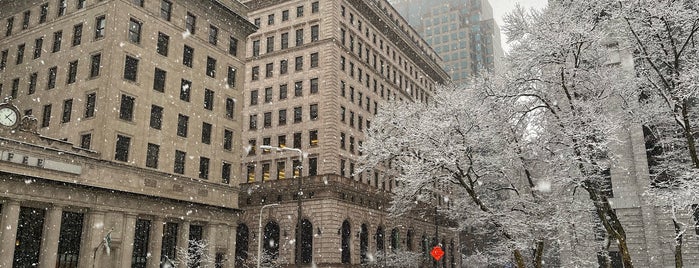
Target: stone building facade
[317, 72]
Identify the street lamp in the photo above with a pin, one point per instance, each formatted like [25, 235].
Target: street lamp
[259, 234]
[298, 199]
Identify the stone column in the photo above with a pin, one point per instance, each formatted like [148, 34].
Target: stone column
[183, 241]
[156, 243]
[230, 253]
[210, 237]
[127, 239]
[51, 234]
[8, 236]
[93, 233]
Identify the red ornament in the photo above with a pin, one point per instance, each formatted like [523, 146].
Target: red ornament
[437, 253]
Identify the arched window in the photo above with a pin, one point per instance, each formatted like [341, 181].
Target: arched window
[241, 245]
[409, 240]
[363, 243]
[379, 239]
[306, 242]
[395, 239]
[346, 234]
[271, 240]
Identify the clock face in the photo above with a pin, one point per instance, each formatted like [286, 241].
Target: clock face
[8, 117]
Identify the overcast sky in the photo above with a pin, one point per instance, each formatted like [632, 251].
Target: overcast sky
[502, 7]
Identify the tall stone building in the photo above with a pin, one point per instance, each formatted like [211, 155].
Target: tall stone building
[317, 73]
[463, 33]
[146, 90]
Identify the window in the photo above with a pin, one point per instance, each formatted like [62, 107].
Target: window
[32, 83]
[281, 141]
[312, 166]
[46, 116]
[44, 13]
[253, 97]
[165, 9]
[231, 77]
[15, 88]
[152, 155]
[257, 22]
[38, 45]
[210, 67]
[185, 89]
[25, 19]
[140, 245]
[156, 117]
[299, 37]
[255, 73]
[121, 152]
[255, 48]
[285, 15]
[351, 145]
[252, 124]
[299, 11]
[77, 34]
[281, 165]
[208, 99]
[297, 143]
[203, 168]
[205, 133]
[233, 46]
[10, 23]
[253, 147]
[342, 63]
[342, 140]
[188, 56]
[90, 104]
[268, 95]
[72, 72]
[285, 40]
[130, 68]
[85, 141]
[213, 35]
[80, 4]
[270, 19]
[343, 111]
[313, 138]
[314, 33]
[67, 110]
[282, 117]
[226, 173]
[351, 119]
[20, 54]
[282, 91]
[269, 68]
[190, 22]
[270, 44]
[62, 7]
[298, 89]
[227, 139]
[314, 111]
[163, 43]
[314, 60]
[230, 108]
[57, 38]
[298, 63]
[159, 78]
[182, 125]
[95, 64]
[138, 2]
[179, 161]
[314, 85]
[126, 108]
[283, 67]
[315, 7]
[267, 120]
[3, 59]
[100, 26]
[298, 114]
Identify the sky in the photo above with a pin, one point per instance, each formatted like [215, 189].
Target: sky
[502, 7]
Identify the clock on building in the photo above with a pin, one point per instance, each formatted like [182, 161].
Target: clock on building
[9, 115]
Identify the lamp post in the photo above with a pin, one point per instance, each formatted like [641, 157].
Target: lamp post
[298, 199]
[259, 234]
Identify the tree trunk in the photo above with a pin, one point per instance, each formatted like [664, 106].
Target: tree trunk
[611, 222]
[678, 244]
[539, 254]
[519, 259]
[691, 143]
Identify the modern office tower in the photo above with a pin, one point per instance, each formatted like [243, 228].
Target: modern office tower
[462, 32]
[317, 73]
[138, 123]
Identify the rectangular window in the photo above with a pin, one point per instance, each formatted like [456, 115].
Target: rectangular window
[252, 124]
[32, 83]
[351, 144]
[121, 152]
[281, 165]
[265, 171]
[185, 89]
[163, 43]
[3, 59]
[62, 5]
[213, 35]
[95, 65]
[44, 13]
[85, 141]
[313, 138]
[10, 24]
[165, 9]
[298, 63]
[251, 172]
[140, 253]
[298, 89]
[285, 40]
[203, 168]
[182, 125]
[38, 46]
[268, 95]
[269, 69]
[152, 155]
[67, 110]
[282, 91]
[27, 245]
[343, 111]
[283, 67]
[188, 56]
[206, 133]
[253, 147]
[126, 107]
[312, 166]
[227, 139]
[156, 117]
[57, 39]
[351, 119]
[255, 48]
[342, 63]
[138, 2]
[100, 26]
[315, 7]
[267, 119]
[80, 4]
[299, 11]
[190, 23]
[270, 19]
[342, 140]
[72, 72]
[299, 37]
[257, 22]
[297, 140]
[298, 114]
[281, 141]
[90, 104]
[77, 34]
[230, 108]
[15, 88]
[255, 73]
[314, 85]
[342, 167]
[253, 97]
[314, 111]
[208, 99]
[282, 117]
[46, 116]
[159, 78]
[231, 77]
[179, 161]
[210, 67]
[20, 54]
[130, 68]
[314, 33]
[314, 60]
[233, 46]
[270, 44]
[25, 19]
[285, 15]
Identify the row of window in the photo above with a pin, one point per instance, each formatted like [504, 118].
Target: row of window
[281, 167]
[283, 92]
[284, 40]
[361, 97]
[67, 112]
[282, 117]
[284, 66]
[44, 11]
[349, 118]
[313, 141]
[315, 8]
